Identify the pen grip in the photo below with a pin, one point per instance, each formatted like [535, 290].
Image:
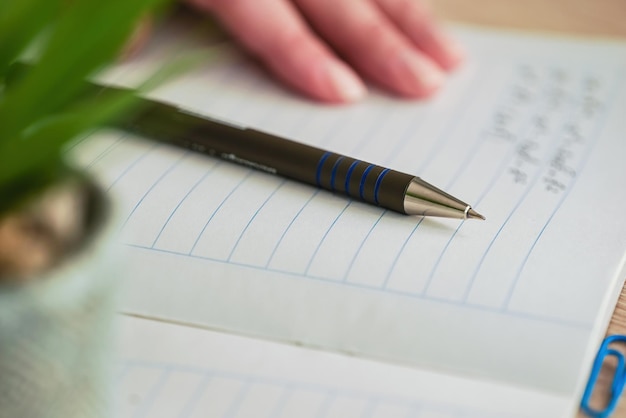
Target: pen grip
[362, 180]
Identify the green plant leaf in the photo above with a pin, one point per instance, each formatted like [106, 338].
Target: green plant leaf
[36, 156]
[86, 36]
[21, 21]
[39, 112]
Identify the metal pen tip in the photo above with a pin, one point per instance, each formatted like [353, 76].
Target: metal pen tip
[472, 214]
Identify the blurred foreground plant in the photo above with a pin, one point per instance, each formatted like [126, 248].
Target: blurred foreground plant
[43, 109]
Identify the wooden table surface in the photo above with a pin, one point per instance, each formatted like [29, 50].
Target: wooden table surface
[589, 17]
[605, 18]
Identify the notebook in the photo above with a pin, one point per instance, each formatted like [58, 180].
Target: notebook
[249, 295]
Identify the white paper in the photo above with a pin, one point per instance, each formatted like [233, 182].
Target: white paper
[172, 371]
[530, 132]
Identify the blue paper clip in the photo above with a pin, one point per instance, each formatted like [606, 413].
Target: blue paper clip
[619, 378]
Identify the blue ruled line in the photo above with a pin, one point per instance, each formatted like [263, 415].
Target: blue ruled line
[236, 403]
[277, 411]
[363, 241]
[281, 184]
[293, 220]
[319, 245]
[154, 184]
[107, 150]
[171, 215]
[151, 396]
[192, 402]
[132, 165]
[400, 252]
[193, 247]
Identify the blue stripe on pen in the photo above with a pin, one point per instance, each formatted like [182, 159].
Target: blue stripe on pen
[378, 181]
[333, 174]
[320, 164]
[363, 178]
[349, 174]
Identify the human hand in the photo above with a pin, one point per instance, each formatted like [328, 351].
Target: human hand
[325, 48]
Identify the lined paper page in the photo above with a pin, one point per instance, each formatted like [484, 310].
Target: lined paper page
[530, 132]
[170, 371]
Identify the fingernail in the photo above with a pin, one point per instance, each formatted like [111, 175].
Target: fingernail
[344, 83]
[454, 51]
[420, 74]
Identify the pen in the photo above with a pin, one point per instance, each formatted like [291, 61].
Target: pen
[400, 192]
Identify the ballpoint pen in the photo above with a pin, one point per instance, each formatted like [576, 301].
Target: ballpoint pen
[400, 192]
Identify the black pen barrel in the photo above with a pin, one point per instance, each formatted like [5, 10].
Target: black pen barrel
[357, 179]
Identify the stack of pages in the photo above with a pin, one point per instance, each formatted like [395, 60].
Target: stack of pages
[249, 295]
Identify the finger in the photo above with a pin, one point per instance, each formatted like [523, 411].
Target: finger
[274, 31]
[414, 19]
[370, 42]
